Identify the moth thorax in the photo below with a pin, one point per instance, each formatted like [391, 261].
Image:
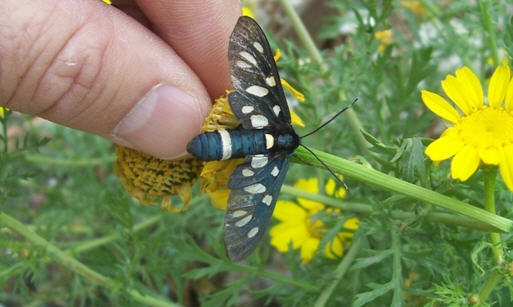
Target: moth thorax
[287, 141]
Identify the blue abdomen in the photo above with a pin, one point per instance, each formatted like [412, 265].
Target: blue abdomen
[227, 144]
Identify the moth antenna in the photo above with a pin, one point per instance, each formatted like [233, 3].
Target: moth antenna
[326, 166]
[330, 120]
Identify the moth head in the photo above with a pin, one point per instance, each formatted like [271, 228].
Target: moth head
[288, 141]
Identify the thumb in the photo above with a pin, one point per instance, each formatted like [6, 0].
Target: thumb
[85, 65]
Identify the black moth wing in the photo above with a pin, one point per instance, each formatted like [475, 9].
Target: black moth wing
[252, 201]
[255, 78]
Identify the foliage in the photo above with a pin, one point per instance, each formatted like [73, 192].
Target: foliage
[70, 234]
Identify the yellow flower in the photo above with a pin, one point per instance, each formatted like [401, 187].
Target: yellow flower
[416, 7]
[480, 132]
[150, 179]
[1, 111]
[301, 227]
[385, 37]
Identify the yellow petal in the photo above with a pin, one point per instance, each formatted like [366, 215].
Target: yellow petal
[330, 187]
[475, 91]
[340, 193]
[310, 185]
[457, 92]
[506, 166]
[308, 249]
[443, 148]
[509, 97]
[285, 233]
[219, 197]
[277, 55]
[299, 96]
[450, 132]
[498, 86]
[289, 211]
[295, 119]
[185, 194]
[464, 163]
[440, 106]
[351, 223]
[334, 248]
[490, 155]
[246, 11]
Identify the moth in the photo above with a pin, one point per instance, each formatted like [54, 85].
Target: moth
[265, 139]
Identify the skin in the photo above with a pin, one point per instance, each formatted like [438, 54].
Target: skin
[140, 73]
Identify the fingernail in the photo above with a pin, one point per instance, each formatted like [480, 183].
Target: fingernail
[161, 123]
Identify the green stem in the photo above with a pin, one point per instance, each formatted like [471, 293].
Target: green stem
[397, 278]
[339, 273]
[387, 182]
[302, 33]
[364, 209]
[493, 280]
[486, 19]
[489, 196]
[307, 41]
[489, 191]
[76, 266]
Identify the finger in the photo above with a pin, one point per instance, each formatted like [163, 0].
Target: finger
[198, 30]
[86, 65]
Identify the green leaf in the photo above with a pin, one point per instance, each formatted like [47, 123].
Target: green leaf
[367, 297]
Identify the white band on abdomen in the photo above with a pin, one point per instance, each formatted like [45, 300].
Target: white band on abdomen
[226, 143]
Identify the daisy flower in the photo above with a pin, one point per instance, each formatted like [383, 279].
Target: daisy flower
[480, 132]
[300, 227]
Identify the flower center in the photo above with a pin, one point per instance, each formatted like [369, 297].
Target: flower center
[487, 128]
[314, 224]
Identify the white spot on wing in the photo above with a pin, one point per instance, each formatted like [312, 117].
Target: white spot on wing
[248, 57]
[243, 221]
[276, 109]
[258, 161]
[238, 213]
[275, 171]
[252, 232]
[242, 64]
[270, 81]
[256, 188]
[257, 90]
[267, 200]
[258, 47]
[269, 141]
[247, 109]
[258, 121]
[247, 172]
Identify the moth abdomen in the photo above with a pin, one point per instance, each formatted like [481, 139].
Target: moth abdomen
[227, 144]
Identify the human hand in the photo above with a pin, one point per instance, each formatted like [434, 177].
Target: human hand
[92, 67]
